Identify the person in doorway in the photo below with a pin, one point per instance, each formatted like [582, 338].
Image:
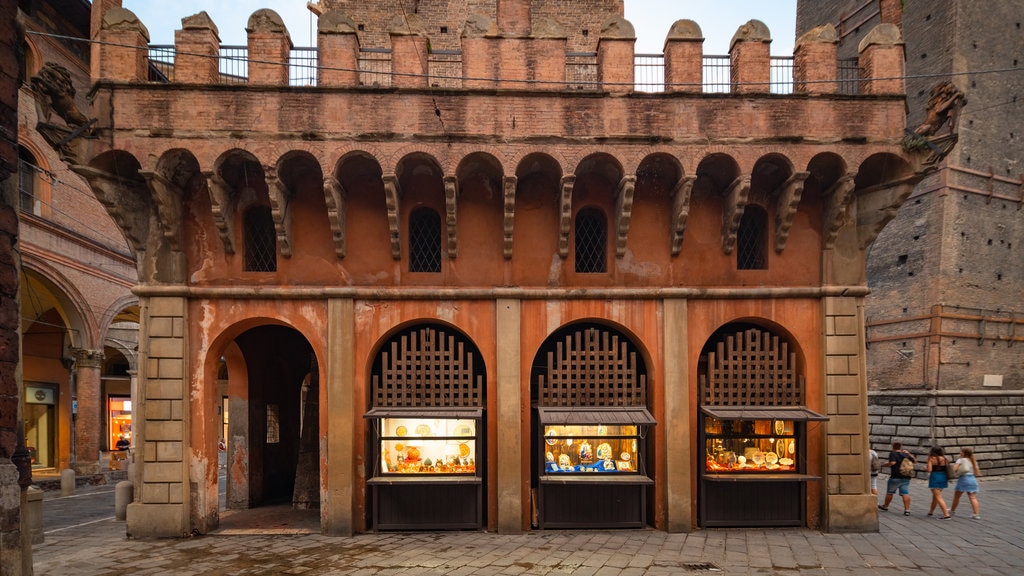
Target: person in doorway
[967, 472]
[876, 467]
[937, 480]
[898, 481]
[122, 444]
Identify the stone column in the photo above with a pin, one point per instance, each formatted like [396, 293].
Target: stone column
[269, 48]
[338, 45]
[815, 68]
[675, 426]
[89, 418]
[336, 506]
[684, 58]
[881, 61]
[750, 58]
[124, 47]
[615, 66]
[197, 51]
[510, 441]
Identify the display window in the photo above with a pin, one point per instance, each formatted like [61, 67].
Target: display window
[119, 409]
[427, 445]
[590, 449]
[750, 446]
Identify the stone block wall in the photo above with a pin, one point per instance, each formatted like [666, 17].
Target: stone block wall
[992, 424]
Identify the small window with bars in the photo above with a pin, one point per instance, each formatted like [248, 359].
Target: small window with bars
[28, 173]
[424, 240]
[591, 241]
[752, 240]
[260, 240]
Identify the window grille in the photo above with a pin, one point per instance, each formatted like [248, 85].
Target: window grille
[591, 241]
[590, 366]
[260, 240]
[751, 240]
[424, 241]
[273, 424]
[750, 367]
[27, 174]
[428, 366]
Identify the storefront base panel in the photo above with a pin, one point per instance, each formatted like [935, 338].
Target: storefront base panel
[761, 503]
[427, 505]
[852, 513]
[592, 504]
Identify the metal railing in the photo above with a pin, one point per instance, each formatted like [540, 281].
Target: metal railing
[444, 70]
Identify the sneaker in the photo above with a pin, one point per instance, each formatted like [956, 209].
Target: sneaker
[906, 512]
[880, 507]
[976, 517]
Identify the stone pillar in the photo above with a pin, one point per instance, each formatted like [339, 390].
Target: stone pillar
[849, 505]
[89, 418]
[511, 481]
[336, 507]
[159, 509]
[750, 58]
[99, 7]
[815, 68]
[408, 52]
[615, 47]
[197, 50]
[338, 47]
[684, 58]
[881, 61]
[124, 48]
[269, 48]
[679, 472]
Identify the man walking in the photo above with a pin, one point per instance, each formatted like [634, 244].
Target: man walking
[901, 470]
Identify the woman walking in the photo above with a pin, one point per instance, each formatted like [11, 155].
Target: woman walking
[967, 471]
[937, 480]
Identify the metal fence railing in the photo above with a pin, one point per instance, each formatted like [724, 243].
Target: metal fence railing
[445, 70]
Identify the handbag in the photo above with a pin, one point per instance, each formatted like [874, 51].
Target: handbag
[950, 469]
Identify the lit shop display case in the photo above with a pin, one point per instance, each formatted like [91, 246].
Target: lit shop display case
[427, 468]
[753, 466]
[591, 467]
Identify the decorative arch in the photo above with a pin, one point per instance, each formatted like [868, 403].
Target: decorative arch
[883, 183]
[661, 180]
[360, 173]
[294, 172]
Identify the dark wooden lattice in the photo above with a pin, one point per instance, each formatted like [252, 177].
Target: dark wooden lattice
[751, 368]
[427, 367]
[592, 367]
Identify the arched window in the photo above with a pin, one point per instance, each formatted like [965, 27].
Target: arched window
[752, 240]
[28, 180]
[424, 240]
[260, 240]
[591, 247]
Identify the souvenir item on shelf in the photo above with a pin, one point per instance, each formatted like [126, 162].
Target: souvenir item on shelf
[464, 450]
[550, 438]
[608, 465]
[586, 452]
[786, 461]
[423, 430]
[741, 460]
[624, 456]
[602, 430]
[564, 462]
[771, 458]
[464, 431]
[412, 454]
[792, 447]
[780, 427]
[623, 465]
[758, 458]
[568, 441]
[401, 431]
[604, 451]
[549, 456]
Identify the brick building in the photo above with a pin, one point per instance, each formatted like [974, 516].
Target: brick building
[945, 319]
[488, 285]
[79, 318]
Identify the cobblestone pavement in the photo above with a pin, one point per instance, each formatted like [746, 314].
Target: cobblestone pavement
[904, 545]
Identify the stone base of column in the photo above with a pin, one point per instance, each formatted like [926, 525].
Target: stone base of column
[851, 513]
[156, 521]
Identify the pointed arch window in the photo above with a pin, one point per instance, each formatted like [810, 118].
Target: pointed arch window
[591, 241]
[28, 182]
[752, 240]
[260, 240]
[424, 240]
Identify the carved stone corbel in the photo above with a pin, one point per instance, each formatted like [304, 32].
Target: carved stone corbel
[222, 207]
[392, 195]
[168, 198]
[565, 215]
[509, 183]
[623, 213]
[788, 201]
[127, 202]
[837, 206]
[334, 197]
[736, 197]
[451, 194]
[680, 211]
[877, 205]
[280, 210]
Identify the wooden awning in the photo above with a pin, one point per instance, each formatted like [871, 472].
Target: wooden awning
[800, 413]
[635, 415]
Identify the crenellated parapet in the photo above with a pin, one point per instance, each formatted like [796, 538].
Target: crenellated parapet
[516, 47]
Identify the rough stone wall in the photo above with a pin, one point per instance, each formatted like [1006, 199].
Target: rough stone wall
[992, 424]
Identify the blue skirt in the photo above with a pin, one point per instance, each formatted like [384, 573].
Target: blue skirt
[967, 483]
[938, 479]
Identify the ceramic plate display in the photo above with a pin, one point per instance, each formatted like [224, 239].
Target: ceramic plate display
[399, 447]
[401, 431]
[771, 458]
[780, 427]
[786, 461]
[624, 456]
[423, 430]
[551, 438]
[464, 450]
[792, 447]
[757, 458]
[604, 451]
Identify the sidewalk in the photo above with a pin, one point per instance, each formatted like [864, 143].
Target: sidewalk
[905, 545]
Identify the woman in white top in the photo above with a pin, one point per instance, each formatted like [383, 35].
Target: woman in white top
[967, 472]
